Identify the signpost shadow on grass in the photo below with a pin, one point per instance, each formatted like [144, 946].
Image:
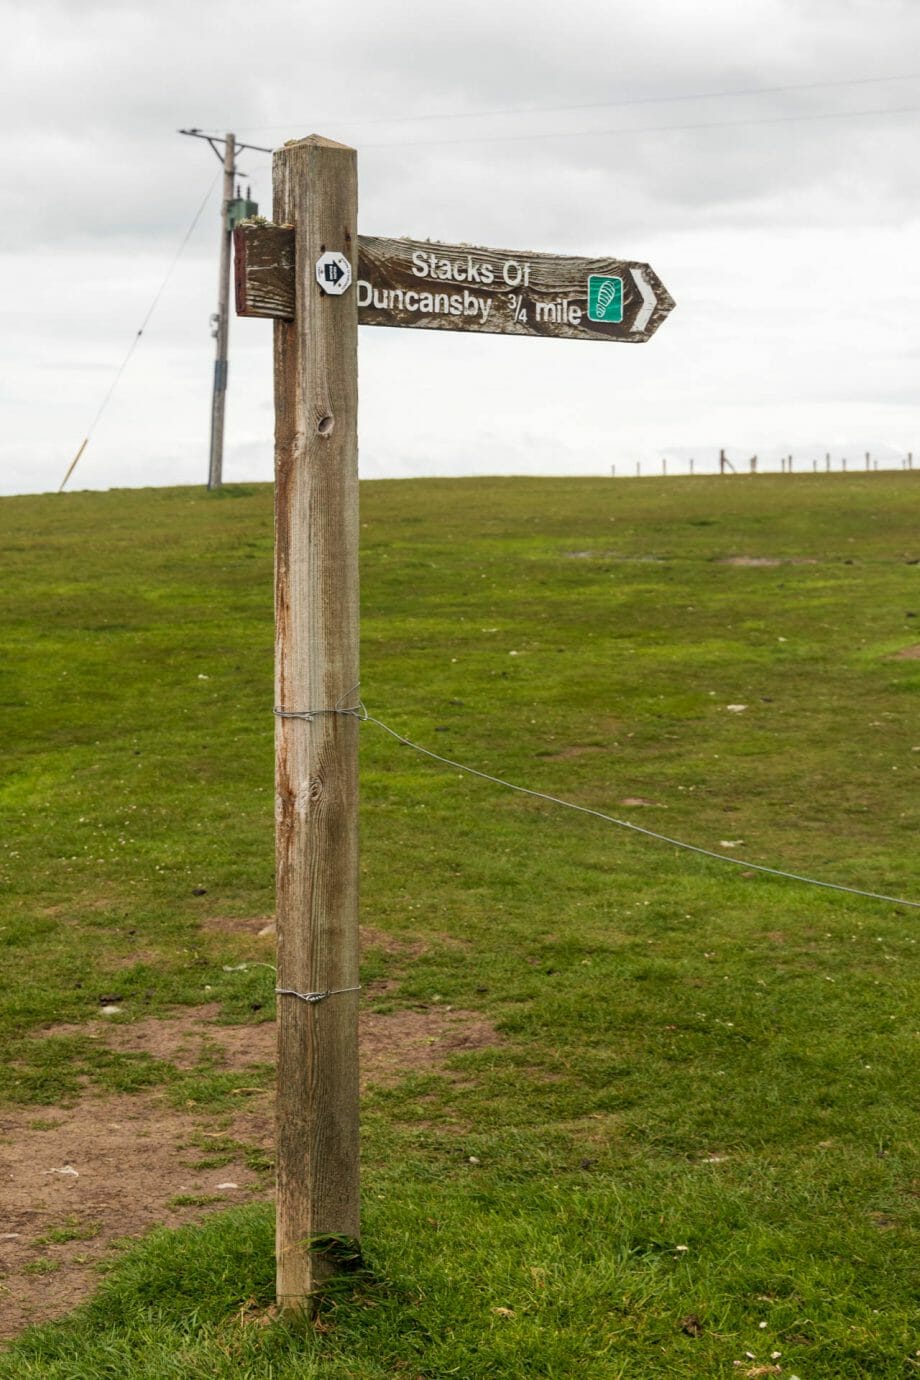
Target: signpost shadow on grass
[319, 279]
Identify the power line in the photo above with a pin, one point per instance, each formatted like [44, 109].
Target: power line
[589, 105]
[143, 326]
[639, 129]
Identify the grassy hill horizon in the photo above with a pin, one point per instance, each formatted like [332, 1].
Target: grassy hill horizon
[679, 1139]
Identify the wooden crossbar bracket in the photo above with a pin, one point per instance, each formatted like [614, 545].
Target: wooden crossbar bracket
[263, 270]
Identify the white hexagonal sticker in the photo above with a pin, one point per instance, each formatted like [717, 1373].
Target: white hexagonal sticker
[333, 273]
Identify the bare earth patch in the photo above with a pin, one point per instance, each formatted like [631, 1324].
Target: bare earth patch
[576, 750]
[767, 561]
[103, 1170]
[612, 556]
[110, 1168]
[908, 654]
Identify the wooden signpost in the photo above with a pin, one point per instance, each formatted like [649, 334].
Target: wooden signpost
[449, 287]
[319, 279]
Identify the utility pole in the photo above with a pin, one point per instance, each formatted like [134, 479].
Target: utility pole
[222, 322]
[233, 209]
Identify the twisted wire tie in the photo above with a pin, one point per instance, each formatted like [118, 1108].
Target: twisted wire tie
[312, 998]
[355, 711]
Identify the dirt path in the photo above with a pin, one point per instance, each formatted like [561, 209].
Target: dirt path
[76, 1180]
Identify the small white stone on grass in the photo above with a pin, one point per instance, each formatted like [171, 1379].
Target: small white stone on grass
[109, 1010]
[228, 1185]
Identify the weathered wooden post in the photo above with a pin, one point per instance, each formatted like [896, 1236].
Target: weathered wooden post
[316, 669]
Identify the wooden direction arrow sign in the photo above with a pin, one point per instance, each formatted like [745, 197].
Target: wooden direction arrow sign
[459, 287]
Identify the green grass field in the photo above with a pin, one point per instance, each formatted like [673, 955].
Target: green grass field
[695, 1143]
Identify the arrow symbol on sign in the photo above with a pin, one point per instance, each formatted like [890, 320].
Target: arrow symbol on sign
[644, 314]
[334, 273]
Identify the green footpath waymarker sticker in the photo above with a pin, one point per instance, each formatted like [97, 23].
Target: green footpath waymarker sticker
[605, 298]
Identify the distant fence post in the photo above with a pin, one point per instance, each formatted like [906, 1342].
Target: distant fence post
[316, 668]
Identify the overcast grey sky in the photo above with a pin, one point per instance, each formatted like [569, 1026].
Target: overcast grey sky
[762, 157]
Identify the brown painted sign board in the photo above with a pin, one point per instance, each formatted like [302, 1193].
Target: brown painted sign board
[424, 285]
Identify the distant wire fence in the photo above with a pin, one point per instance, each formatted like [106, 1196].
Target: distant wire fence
[359, 711]
[137, 335]
[788, 464]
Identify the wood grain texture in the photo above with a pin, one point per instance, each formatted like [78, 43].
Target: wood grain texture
[263, 270]
[316, 666]
[424, 285]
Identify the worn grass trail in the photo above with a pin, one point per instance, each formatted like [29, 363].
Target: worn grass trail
[695, 1137]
